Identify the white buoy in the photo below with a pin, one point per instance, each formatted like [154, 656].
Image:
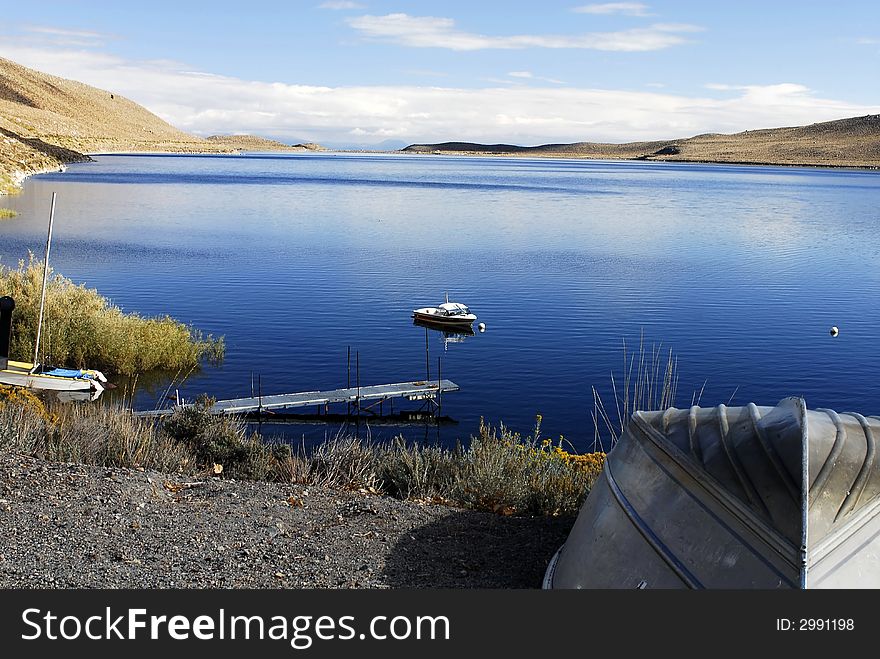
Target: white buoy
[835, 331]
[482, 327]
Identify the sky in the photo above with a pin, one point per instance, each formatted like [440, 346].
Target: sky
[376, 73]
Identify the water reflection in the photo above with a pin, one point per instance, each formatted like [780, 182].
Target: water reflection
[77, 396]
[448, 334]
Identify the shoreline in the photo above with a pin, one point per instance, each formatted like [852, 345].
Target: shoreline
[571, 156]
[19, 176]
[486, 154]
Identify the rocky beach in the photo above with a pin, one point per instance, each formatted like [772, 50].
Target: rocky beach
[65, 525]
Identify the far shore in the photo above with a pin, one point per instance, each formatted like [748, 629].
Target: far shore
[569, 156]
[19, 176]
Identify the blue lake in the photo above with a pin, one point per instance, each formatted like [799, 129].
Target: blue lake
[294, 258]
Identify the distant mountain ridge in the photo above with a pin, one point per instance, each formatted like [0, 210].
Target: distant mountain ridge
[256, 143]
[853, 142]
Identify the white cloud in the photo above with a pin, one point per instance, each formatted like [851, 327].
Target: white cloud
[756, 92]
[867, 41]
[525, 114]
[628, 8]
[428, 73]
[338, 5]
[437, 32]
[61, 32]
[528, 75]
[47, 35]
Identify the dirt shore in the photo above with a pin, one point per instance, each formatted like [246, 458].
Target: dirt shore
[76, 526]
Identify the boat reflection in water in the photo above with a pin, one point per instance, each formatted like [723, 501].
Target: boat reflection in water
[78, 396]
[449, 333]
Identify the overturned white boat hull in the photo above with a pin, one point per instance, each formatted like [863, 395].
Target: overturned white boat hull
[745, 497]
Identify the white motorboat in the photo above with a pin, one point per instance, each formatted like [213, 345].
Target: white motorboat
[448, 313]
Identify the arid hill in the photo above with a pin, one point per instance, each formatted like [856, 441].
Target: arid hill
[851, 142]
[47, 121]
[256, 143]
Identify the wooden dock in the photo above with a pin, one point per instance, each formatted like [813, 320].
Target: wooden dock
[355, 396]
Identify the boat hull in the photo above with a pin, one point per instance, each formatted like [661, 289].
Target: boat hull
[465, 320]
[648, 524]
[17, 374]
[449, 329]
[747, 497]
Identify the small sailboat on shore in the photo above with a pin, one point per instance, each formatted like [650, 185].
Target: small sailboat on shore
[23, 374]
[85, 382]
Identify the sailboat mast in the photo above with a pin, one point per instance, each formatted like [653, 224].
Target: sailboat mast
[45, 279]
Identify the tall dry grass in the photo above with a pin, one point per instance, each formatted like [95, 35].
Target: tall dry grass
[81, 328]
[88, 434]
[499, 471]
[648, 382]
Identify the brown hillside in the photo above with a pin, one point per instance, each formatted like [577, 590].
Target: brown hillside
[76, 116]
[46, 121]
[851, 142]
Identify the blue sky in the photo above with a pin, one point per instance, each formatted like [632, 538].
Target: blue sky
[371, 72]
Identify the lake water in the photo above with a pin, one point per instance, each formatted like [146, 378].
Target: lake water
[293, 258]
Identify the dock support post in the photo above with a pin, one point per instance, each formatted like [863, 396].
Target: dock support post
[260, 403]
[427, 359]
[439, 388]
[349, 378]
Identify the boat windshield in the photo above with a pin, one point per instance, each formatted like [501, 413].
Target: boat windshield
[454, 309]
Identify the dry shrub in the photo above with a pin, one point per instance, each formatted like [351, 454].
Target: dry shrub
[500, 471]
[344, 461]
[508, 473]
[417, 472]
[217, 439]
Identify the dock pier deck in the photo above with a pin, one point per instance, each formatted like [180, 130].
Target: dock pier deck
[376, 394]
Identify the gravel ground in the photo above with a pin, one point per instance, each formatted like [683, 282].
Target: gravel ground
[77, 526]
